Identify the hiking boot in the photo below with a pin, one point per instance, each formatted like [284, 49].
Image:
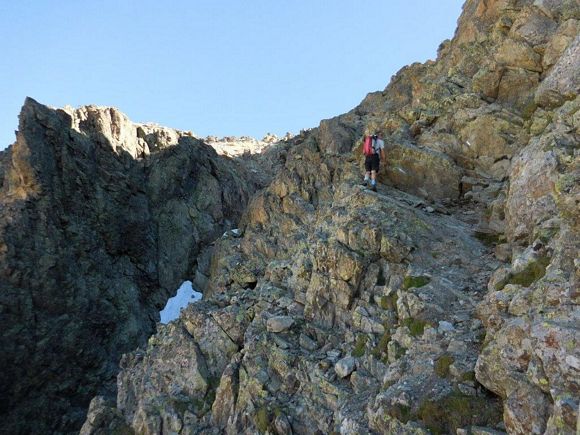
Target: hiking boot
[374, 188]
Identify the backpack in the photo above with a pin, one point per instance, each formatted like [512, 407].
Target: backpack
[368, 148]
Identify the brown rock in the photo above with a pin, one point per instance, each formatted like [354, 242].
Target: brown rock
[563, 81]
[226, 394]
[559, 42]
[335, 136]
[516, 89]
[533, 26]
[421, 171]
[518, 54]
[487, 81]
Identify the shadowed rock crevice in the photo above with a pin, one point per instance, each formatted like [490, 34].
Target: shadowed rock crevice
[95, 236]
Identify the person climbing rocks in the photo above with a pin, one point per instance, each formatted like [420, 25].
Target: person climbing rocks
[374, 151]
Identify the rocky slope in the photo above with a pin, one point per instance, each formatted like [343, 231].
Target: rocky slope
[446, 303]
[100, 221]
[346, 311]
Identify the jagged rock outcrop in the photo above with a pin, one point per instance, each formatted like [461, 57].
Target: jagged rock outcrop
[100, 220]
[531, 357]
[429, 322]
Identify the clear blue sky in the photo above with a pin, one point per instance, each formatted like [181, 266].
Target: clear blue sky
[210, 66]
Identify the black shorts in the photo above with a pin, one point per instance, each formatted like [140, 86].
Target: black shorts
[372, 163]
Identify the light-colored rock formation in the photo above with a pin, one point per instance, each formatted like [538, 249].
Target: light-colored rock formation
[236, 146]
[345, 367]
[279, 323]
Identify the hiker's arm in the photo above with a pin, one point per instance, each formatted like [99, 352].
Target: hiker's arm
[383, 154]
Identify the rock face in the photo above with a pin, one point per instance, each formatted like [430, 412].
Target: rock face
[447, 302]
[400, 294]
[363, 280]
[100, 221]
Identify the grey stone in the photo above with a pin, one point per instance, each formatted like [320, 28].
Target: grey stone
[563, 81]
[445, 326]
[307, 343]
[279, 323]
[345, 366]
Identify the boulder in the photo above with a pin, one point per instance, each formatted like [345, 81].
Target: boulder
[279, 323]
[532, 184]
[533, 26]
[563, 81]
[516, 89]
[336, 136]
[423, 172]
[559, 42]
[518, 54]
[345, 366]
[526, 410]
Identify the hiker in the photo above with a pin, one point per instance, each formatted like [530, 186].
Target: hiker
[374, 151]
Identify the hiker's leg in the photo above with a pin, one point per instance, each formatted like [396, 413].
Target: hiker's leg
[373, 178]
[365, 182]
[374, 171]
[368, 171]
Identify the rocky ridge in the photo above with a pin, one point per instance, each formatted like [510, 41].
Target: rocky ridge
[235, 146]
[347, 311]
[446, 303]
[101, 220]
